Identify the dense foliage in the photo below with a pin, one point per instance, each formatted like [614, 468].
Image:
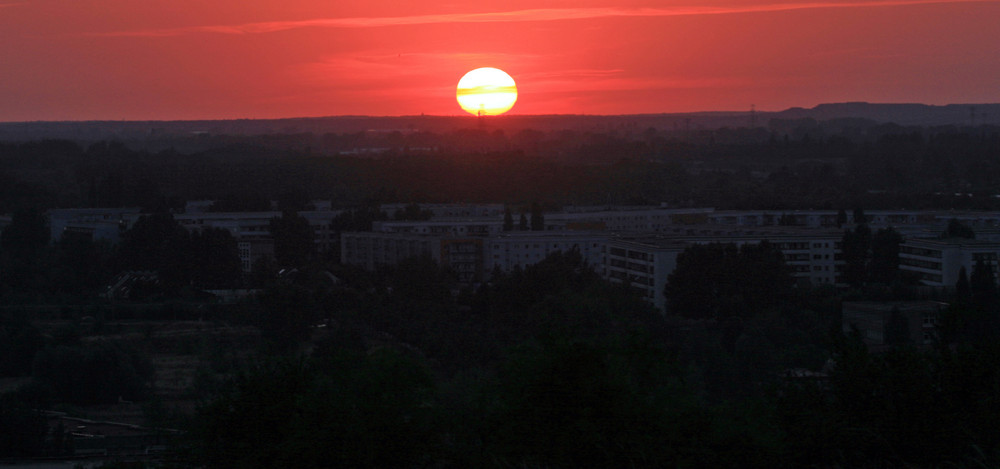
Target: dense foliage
[717, 281]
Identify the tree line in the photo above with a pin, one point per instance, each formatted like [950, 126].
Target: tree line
[893, 167]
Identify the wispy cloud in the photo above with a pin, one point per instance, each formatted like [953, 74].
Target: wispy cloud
[366, 66]
[532, 15]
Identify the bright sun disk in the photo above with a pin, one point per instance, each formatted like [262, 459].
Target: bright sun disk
[486, 91]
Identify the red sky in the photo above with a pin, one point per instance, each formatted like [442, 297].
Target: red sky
[223, 59]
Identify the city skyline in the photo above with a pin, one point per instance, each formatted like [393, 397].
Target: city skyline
[159, 60]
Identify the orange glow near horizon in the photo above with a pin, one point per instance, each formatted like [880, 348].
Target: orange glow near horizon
[486, 91]
[226, 59]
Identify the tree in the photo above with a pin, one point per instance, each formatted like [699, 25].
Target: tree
[508, 220]
[984, 286]
[365, 410]
[26, 235]
[859, 217]
[22, 429]
[148, 244]
[111, 191]
[22, 245]
[287, 312]
[294, 240]
[963, 291]
[19, 342]
[720, 280]
[856, 249]
[884, 267]
[157, 242]
[957, 229]
[765, 279]
[413, 212]
[841, 218]
[217, 256]
[703, 285]
[243, 201]
[358, 219]
[522, 224]
[83, 266]
[96, 373]
[567, 403]
[897, 329]
[537, 218]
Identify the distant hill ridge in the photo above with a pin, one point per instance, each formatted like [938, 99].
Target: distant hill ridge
[902, 114]
[905, 114]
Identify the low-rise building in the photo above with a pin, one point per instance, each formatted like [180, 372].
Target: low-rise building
[95, 223]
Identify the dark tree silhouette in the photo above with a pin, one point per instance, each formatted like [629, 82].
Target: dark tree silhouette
[720, 280]
[841, 218]
[963, 291]
[537, 218]
[856, 249]
[957, 229]
[294, 244]
[983, 284]
[217, 259]
[22, 246]
[885, 256]
[859, 216]
[897, 329]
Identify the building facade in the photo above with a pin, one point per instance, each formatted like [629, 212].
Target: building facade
[937, 262]
[371, 250]
[645, 260]
[519, 249]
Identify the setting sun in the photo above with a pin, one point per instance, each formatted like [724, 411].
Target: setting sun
[486, 91]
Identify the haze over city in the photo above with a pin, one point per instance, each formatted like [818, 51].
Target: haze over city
[178, 60]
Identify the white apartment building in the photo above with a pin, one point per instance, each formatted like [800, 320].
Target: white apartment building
[937, 262]
[472, 226]
[252, 230]
[98, 223]
[631, 219]
[645, 260]
[451, 210]
[371, 250]
[627, 219]
[473, 258]
[519, 249]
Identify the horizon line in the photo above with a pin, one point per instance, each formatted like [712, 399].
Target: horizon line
[501, 116]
